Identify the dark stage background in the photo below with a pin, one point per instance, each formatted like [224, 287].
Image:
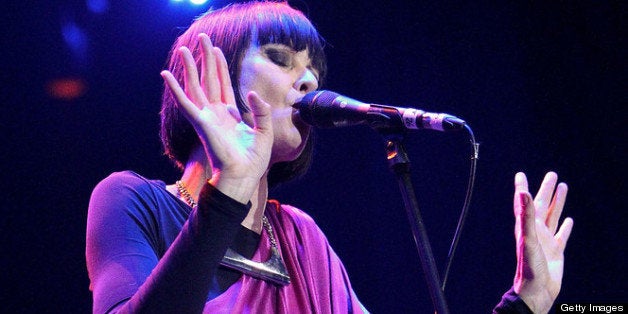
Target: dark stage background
[542, 85]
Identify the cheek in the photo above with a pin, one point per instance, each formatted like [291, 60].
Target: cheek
[269, 90]
[270, 83]
[284, 122]
[251, 78]
[245, 84]
[282, 117]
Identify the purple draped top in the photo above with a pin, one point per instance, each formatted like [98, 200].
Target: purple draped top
[133, 223]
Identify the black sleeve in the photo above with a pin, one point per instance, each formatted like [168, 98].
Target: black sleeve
[511, 303]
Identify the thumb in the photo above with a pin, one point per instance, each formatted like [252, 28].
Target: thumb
[260, 109]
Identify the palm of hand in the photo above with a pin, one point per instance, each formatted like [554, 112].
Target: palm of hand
[236, 150]
[232, 144]
[540, 248]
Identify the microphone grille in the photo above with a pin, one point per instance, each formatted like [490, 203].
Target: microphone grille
[318, 98]
[325, 97]
[313, 108]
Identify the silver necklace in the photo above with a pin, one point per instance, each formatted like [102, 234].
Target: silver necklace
[273, 270]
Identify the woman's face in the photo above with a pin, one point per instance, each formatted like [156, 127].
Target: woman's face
[281, 76]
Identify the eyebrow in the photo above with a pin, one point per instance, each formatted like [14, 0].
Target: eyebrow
[279, 47]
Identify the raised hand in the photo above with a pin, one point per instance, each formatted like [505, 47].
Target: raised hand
[540, 248]
[239, 152]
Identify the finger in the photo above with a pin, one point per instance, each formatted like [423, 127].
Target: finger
[209, 73]
[521, 182]
[544, 195]
[192, 86]
[528, 227]
[235, 113]
[556, 208]
[521, 186]
[225, 79]
[261, 113]
[563, 233]
[189, 108]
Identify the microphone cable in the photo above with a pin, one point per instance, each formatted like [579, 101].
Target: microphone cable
[465, 207]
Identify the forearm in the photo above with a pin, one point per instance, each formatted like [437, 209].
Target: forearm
[181, 280]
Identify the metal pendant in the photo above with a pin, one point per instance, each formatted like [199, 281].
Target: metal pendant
[273, 270]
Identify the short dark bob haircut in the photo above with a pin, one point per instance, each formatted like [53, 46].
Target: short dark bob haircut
[233, 29]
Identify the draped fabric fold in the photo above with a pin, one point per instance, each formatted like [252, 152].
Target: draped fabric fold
[319, 282]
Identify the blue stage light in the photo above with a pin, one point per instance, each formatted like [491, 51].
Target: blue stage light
[194, 2]
[98, 6]
[75, 38]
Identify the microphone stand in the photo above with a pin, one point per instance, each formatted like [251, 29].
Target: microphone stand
[399, 164]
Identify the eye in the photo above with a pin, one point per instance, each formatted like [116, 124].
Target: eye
[278, 57]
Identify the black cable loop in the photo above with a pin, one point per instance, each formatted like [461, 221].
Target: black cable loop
[465, 207]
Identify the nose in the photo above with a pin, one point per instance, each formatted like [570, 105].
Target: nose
[307, 82]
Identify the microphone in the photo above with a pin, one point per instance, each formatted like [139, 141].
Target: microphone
[327, 109]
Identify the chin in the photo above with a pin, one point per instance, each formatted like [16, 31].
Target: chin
[288, 156]
[304, 131]
[292, 151]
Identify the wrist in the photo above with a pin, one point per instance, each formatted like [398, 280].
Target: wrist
[239, 189]
[511, 302]
[538, 300]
